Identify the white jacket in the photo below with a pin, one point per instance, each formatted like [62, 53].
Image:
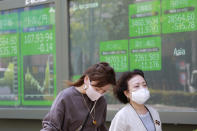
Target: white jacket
[127, 120]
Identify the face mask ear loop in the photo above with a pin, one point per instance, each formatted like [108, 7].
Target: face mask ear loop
[89, 81]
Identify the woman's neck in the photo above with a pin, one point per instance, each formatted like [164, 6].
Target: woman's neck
[81, 89]
[139, 108]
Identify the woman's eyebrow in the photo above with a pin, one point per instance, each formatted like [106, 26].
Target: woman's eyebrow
[136, 83]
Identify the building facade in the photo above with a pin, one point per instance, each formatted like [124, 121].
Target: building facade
[44, 42]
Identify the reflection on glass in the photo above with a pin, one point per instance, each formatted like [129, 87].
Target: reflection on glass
[161, 39]
[38, 77]
[9, 58]
[8, 79]
[38, 55]
[27, 55]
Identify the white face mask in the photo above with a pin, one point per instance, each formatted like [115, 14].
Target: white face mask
[91, 92]
[140, 96]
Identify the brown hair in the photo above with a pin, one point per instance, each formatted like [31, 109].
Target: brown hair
[102, 73]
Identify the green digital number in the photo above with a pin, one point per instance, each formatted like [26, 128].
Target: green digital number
[144, 18]
[115, 53]
[179, 16]
[145, 53]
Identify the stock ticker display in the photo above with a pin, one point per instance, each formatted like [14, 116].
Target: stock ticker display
[27, 55]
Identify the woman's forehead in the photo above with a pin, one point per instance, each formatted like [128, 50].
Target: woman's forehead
[136, 79]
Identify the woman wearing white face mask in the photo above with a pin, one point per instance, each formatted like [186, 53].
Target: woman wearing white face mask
[82, 107]
[132, 90]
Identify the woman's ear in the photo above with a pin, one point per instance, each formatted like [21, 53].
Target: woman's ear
[127, 94]
[86, 80]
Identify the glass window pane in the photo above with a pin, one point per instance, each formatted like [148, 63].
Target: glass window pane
[156, 36]
[27, 56]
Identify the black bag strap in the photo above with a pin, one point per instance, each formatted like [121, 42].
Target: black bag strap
[84, 123]
[86, 119]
